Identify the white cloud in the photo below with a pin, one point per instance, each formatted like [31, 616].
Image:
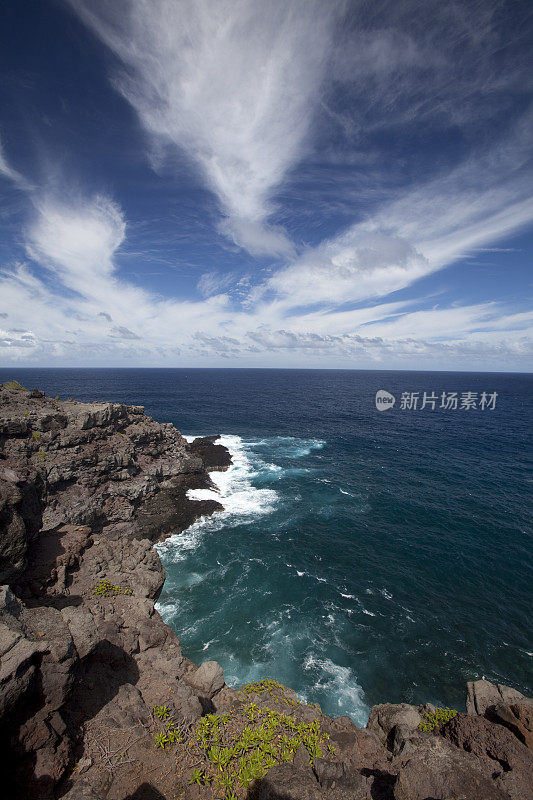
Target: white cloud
[354, 266]
[234, 84]
[87, 315]
[7, 171]
[77, 238]
[424, 228]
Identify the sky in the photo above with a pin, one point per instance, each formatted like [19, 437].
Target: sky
[291, 183]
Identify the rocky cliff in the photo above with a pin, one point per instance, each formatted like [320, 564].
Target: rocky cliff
[97, 699]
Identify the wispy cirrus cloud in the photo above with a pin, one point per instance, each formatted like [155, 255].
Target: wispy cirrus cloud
[88, 312]
[235, 85]
[422, 229]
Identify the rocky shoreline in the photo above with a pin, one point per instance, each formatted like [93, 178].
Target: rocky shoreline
[90, 676]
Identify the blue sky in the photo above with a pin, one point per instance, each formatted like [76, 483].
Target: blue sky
[298, 183]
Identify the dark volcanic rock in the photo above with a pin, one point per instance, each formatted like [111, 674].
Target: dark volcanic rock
[386, 718]
[84, 491]
[214, 456]
[518, 717]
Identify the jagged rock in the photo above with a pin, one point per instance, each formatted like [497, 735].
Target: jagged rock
[290, 783]
[438, 771]
[75, 663]
[386, 717]
[302, 758]
[20, 519]
[215, 456]
[498, 749]
[208, 679]
[482, 695]
[355, 746]
[518, 717]
[328, 773]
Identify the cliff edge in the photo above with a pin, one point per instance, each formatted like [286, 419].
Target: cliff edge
[97, 699]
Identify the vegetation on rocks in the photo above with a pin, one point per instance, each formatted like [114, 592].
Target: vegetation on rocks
[105, 588]
[434, 721]
[232, 751]
[14, 386]
[161, 712]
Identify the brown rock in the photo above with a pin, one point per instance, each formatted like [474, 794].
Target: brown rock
[518, 717]
[438, 771]
[498, 750]
[482, 695]
[208, 679]
[385, 718]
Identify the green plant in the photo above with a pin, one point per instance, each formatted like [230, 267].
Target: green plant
[161, 739]
[232, 751]
[15, 385]
[198, 776]
[36, 435]
[161, 712]
[240, 747]
[433, 721]
[105, 588]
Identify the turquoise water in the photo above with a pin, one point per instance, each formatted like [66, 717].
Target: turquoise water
[362, 556]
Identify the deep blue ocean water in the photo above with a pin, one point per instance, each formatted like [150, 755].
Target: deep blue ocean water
[363, 556]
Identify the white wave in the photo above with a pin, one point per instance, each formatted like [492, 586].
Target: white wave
[338, 682]
[187, 541]
[348, 596]
[234, 488]
[387, 595]
[242, 501]
[166, 608]
[368, 613]
[290, 446]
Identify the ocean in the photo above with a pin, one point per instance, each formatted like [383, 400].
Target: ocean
[363, 556]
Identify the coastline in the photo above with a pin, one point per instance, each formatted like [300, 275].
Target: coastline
[86, 659]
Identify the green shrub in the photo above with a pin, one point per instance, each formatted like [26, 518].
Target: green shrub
[232, 751]
[36, 435]
[198, 776]
[105, 588]
[240, 747]
[15, 385]
[432, 722]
